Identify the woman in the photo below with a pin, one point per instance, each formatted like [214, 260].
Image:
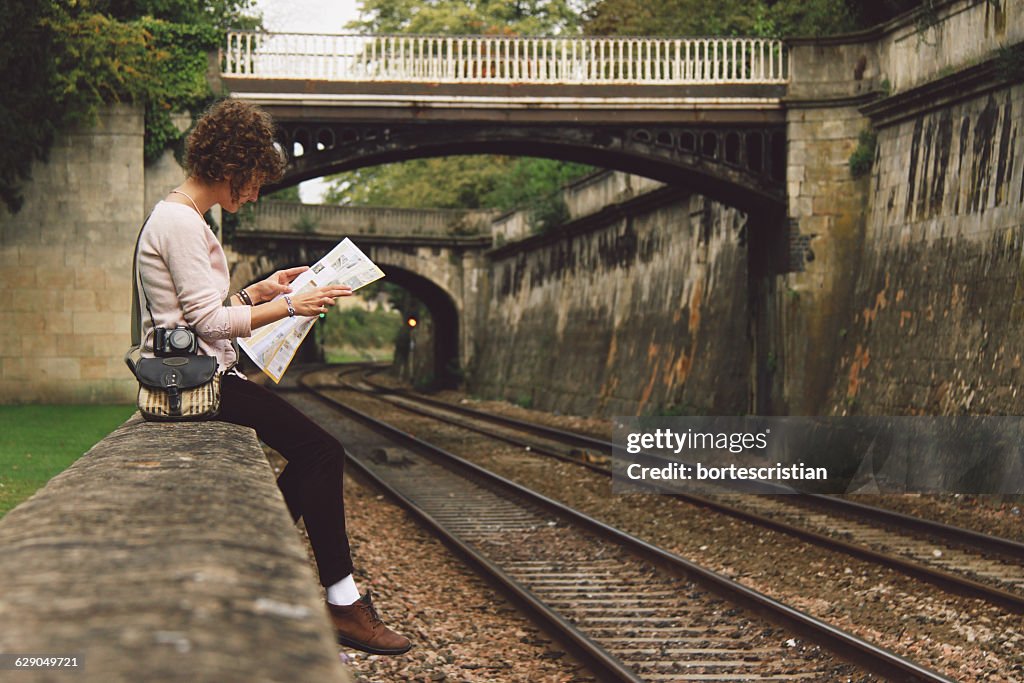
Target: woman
[229, 155]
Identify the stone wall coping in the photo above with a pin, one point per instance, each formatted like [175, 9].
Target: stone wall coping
[165, 553]
[969, 83]
[952, 36]
[594, 221]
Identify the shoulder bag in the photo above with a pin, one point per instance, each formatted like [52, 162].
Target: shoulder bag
[171, 388]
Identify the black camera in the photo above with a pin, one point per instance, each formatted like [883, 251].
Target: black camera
[181, 341]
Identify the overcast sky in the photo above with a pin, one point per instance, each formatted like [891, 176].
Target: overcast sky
[308, 16]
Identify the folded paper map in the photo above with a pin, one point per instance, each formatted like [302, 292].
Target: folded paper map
[272, 347]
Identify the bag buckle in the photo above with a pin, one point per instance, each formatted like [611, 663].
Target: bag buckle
[173, 393]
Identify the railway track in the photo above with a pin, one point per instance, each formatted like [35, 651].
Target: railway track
[632, 611]
[957, 560]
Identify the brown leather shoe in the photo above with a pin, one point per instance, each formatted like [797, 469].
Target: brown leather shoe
[359, 626]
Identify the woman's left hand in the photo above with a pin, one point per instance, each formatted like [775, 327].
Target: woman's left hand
[278, 283]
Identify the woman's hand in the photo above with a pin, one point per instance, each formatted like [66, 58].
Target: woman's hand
[315, 301]
[278, 283]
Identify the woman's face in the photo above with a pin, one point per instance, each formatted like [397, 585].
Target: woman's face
[250, 192]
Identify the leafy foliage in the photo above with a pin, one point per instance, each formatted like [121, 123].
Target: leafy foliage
[287, 194]
[361, 329]
[180, 83]
[765, 18]
[462, 181]
[26, 131]
[863, 156]
[61, 60]
[536, 185]
[498, 182]
[462, 17]
[444, 182]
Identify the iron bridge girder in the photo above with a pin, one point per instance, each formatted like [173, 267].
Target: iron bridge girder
[742, 165]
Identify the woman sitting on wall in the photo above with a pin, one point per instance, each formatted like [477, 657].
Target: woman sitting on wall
[230, 154]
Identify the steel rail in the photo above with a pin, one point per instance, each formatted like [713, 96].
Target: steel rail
[969, 537]
[608, 666]
[534, 447]
[976, 539]
[837, 640]
[574, 438]
[945, 580]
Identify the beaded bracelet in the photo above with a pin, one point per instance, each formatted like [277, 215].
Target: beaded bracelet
[244, 296]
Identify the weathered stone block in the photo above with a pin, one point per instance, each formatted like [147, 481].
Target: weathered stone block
[100, 323]
[58, 369]
[132, 559]
[90, 277]
[39, 345]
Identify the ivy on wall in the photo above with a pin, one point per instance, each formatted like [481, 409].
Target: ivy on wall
[60, 60]
[180, 79]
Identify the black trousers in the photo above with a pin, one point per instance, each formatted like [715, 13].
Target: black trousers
[311, 481]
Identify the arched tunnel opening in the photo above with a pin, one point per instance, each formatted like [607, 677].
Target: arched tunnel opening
[427, 355]
[521, 362]
[427, 345]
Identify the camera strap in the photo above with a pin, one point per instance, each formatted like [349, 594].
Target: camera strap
[136, 309]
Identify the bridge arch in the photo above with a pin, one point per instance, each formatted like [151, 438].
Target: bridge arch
[432, 276]
[741, 165]
[703, 113]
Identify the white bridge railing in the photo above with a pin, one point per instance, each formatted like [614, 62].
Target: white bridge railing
[482, 59]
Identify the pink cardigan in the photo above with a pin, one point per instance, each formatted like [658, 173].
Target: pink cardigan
[185, 275]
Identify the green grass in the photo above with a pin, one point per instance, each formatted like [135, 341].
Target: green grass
[350, 355]
[39, 442]
[361, 328]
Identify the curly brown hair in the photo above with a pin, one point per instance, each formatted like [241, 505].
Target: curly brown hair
[234, 141]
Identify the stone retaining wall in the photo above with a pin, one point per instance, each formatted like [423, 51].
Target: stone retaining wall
[937, 323]
[165, 553]
[925, 85]
[642, 308]
[65, 268]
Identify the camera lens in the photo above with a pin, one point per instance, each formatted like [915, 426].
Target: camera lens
[180, 340]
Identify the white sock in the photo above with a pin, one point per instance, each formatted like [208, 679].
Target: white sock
[344, 592]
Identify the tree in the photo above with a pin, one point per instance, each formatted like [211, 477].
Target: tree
[218, 14]
[460, 181]
[462, 17]
[768, 18]
[439, 183]
[286, 194]
[59, 61]
[27, 92]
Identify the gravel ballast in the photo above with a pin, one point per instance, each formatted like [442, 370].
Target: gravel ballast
[965, 639]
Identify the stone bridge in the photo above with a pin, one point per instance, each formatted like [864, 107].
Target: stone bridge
[704, 113]
[438, 255]
[706, 116]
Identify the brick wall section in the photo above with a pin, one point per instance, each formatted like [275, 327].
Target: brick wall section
[65, 268]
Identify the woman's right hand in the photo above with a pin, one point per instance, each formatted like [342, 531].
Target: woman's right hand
[316, 301]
